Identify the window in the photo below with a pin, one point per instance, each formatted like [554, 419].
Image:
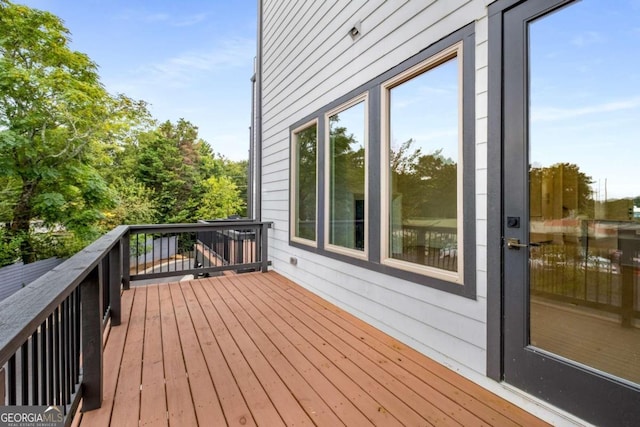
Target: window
[346, 177]
[422, 167]
[304, 182]
[395, 183]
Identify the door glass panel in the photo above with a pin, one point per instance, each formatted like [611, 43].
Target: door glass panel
[584, 182]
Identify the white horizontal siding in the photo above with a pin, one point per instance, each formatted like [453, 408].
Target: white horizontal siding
[309, 61]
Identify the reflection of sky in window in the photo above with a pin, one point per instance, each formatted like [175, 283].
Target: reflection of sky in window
[353, 119]
[425, 108]
[585, 93]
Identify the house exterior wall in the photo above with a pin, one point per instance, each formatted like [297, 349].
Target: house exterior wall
[309, 61]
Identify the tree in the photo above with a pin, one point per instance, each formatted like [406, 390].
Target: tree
[220, 199]
[174, 165]
[134, 204]
[56, 119]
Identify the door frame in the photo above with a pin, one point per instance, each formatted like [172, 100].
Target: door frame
[581, 391]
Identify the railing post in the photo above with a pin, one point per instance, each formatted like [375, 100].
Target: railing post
[91, 295]
[126, 261]
[115, 282]
[264, 247]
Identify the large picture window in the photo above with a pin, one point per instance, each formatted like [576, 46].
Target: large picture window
[304, 182]
[422, 170]
[346, 177]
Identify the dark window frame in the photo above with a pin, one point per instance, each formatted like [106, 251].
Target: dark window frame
[373, 88]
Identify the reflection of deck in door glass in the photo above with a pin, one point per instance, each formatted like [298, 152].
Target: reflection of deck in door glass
[584, 184]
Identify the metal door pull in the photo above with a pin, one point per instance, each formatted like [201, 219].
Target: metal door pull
[513, 243]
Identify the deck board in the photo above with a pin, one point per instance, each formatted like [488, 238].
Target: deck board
[117, 338]
[126, 403]
[180, 403]
[234, 406]
[153, 404]
[448, 398]
[489, 407]
[257, 349]
[254, 394]
[315, 367]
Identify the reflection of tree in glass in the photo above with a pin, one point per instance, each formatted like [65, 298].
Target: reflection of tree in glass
[346, 187]
[306, 182]
[348, 163]
[427, 182]
[560, 191]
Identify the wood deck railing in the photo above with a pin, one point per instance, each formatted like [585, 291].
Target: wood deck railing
[51, 331]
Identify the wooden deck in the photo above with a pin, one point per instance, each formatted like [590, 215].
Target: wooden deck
[257, 349]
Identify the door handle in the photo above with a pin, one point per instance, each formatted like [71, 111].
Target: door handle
[513, 243]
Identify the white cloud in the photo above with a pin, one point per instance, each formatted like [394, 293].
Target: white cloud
[156, 17]
[161, 17]
[185, 69]
[587, 38]
[189, 20]
[555, 113]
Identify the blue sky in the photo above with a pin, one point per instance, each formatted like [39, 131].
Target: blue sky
[189, 59]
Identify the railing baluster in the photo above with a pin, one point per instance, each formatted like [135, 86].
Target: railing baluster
[43, 363]
[35, 354]
[66, 367]
[24, 371]
[126, 261]
[12, 392]
[76, 333]
[153, 252]
[115, 267]
[50, 361]
[2, 386]
[56, 352]
[105, 290]
[136, 255]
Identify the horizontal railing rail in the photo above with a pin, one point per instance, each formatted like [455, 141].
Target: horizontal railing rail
[51, 331]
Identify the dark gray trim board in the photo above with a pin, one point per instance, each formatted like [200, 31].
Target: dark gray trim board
[373, 89]
[494, 192]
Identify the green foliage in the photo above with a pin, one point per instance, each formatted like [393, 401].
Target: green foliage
[220, 199]
[80, 160]
[44, 244]
[57, 123]
[174, 166]
[427, 182]
[9, 247]
[135, 204]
